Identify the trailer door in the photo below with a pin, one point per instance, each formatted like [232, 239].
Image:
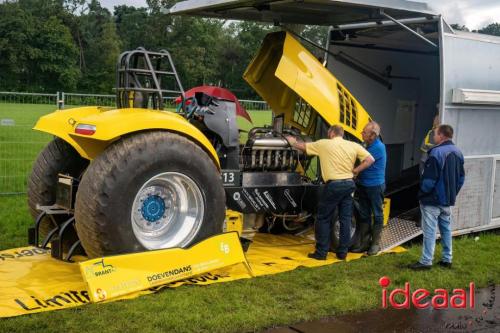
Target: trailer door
[470, 93]
[470, 103]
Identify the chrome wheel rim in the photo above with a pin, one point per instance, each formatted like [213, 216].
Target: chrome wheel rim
[167, 211]
[336, 228]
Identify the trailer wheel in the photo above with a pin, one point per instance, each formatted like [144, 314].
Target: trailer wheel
[149, 191]
[335, 239]
[57, 157]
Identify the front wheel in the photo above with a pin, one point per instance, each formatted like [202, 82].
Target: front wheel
[148, 191]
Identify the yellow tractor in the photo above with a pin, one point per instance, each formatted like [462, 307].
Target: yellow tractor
[136, 177]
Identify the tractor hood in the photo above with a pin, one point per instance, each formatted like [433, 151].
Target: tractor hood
[294, 83]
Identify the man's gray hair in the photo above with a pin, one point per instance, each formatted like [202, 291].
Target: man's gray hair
[375, 127]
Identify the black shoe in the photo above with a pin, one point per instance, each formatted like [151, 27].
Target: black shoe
[444, 264]
[363, 242]
[376, 236]
[374, 250]
[315, 255]
[419, 267]
[341, 256]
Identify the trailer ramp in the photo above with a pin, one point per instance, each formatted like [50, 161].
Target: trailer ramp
[400, 229]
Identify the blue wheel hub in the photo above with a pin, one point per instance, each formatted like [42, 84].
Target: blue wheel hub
[153, 208]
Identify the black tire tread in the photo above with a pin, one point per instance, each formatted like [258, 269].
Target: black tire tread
[94, 197]
[57, 157]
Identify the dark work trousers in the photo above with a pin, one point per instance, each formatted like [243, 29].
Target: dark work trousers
[337, 193]
[371, 200]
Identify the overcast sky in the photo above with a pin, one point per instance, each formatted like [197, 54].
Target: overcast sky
[474, 14]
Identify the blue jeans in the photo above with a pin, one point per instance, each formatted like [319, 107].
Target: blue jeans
[433, 217]
[336, 194]
[371, 200]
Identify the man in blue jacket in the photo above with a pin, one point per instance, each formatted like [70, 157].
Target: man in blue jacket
[441, 180]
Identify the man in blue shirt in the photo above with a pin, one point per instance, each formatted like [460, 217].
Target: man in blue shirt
[442, 179]
[370, 190]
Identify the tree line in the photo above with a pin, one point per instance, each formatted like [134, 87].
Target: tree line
[73, 45]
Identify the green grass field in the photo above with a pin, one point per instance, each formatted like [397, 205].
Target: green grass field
[245, 305]
[19, 144]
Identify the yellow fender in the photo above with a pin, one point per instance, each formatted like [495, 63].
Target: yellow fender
[111, 124]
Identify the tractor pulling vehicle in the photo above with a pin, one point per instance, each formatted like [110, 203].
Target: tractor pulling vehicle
[138, 178]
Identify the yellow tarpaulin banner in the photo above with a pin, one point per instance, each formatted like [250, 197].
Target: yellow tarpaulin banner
[32, 281]
[115, 276]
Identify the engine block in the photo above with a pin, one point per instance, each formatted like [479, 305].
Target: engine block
[267, 150]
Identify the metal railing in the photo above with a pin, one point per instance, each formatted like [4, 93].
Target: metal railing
[63, 99]
[169, 102]
[86, 99]
[255, 105]
[27, 98]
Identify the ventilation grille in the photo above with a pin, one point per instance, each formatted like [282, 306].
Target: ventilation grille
[302, 113]
[348, 109]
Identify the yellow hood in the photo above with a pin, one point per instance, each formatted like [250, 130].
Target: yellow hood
[293, 82]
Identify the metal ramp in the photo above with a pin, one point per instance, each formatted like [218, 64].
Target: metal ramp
[400, 229]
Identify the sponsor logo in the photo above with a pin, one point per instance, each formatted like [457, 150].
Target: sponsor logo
[125, 285]
[224, 248]
[60, 300]
[423, 298]
[260, 199]
[289, 198]
[199, 279]
[7, 255]
[271, 201]
[270, 263]
[100, 294]
[251, 200]
[237, 198]
[185, 270]
[98, 269]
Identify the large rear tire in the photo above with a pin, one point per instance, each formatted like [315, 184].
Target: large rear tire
[148, 191]
[335, 239]
[58, 157]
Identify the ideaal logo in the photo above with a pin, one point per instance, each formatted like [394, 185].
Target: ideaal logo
[99, 269]
[460, 298]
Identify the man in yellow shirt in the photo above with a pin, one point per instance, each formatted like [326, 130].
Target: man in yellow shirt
[337, 158]
[428, 143]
